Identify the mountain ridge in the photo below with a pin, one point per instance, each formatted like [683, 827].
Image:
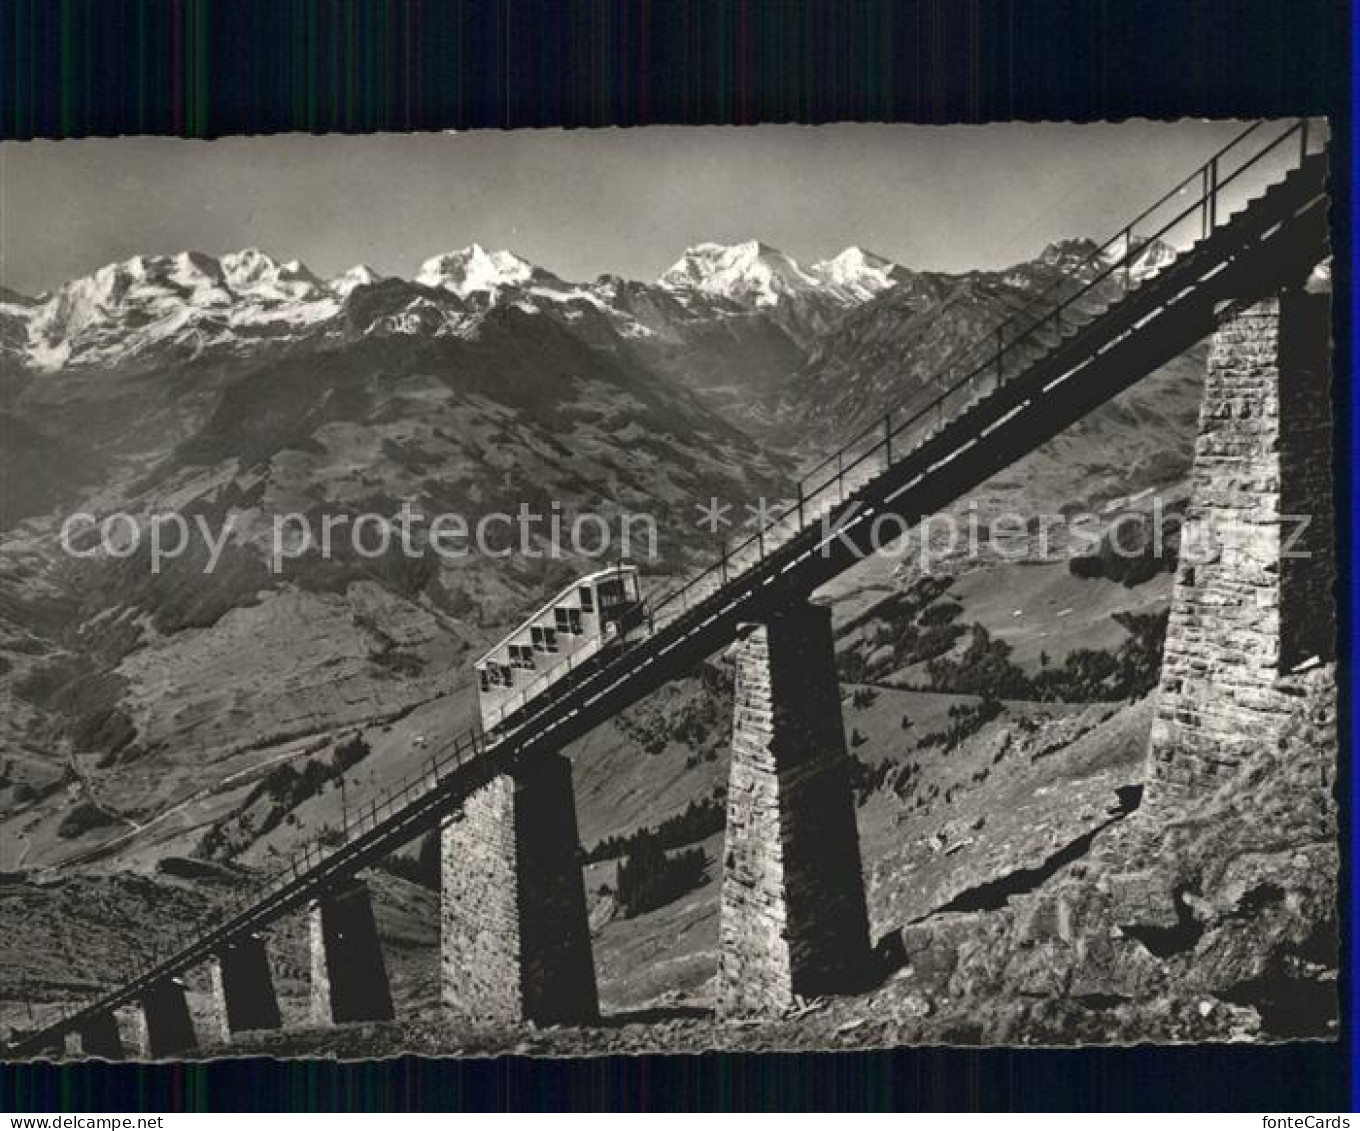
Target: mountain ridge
[155, 298]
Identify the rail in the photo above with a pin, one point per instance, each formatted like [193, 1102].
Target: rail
[982, 366]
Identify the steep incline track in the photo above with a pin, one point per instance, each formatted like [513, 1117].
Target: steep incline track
[1043, 370]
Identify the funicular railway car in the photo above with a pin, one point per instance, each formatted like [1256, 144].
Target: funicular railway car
[578, 627]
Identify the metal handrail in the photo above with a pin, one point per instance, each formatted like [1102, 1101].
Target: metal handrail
[991, 357]
[1122, 234]
[983, 359]
[721, 569]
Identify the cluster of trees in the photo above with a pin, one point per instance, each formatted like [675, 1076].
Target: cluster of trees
[1132, 551]
[863, 697]
[648, 878]
[649, 874]
[867, 777]
[919, 626]
[351, 753]
[701, 722]
[984, 668]
[922, 627]
[84, 698]
[965, 720]
[699, 820]
[1086, 675]
[81, 819]
[283, 790]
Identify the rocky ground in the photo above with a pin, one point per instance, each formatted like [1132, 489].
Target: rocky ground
[166, 739]
[1043, 904]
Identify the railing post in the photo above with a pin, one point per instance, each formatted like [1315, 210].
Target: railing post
[840, 475]
[887, 438]
[1303, 140]
[1213, 194]
[800, 504]
[723, 561]
[1204, 202]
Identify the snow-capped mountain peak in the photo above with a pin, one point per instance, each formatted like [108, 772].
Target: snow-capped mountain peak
[858, 273]
[251, 271]
[188, 276]
[153, 292]
[360, 275]
[1084, 257]
[475, 270]
[179, 307]
[1068, 254]
[1152, 256]
[186, 301]
[750, 273]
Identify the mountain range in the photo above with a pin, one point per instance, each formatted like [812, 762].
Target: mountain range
[243, 387]
[733, 323]
[193, 303]
[168, 736]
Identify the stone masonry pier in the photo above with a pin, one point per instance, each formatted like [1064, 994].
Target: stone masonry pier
[515, 936]
[793, 922]
[99, 1037]
[243, 988]
[349, 977]
[166, 1027]
[1254, 595]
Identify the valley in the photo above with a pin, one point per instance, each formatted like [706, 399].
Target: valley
[167, 738]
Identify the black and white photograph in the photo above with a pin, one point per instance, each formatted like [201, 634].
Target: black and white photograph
[669, 590]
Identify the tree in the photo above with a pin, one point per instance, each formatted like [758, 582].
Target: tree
[647, 878]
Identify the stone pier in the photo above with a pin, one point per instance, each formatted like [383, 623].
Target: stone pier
[59, 1048]
[243, 988]
[794, 922]
[98, 1036]
[1254, 596]
[164, 1022]
[514, 933]
[349, 977]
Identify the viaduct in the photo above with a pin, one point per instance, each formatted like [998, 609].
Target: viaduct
[1249, 226]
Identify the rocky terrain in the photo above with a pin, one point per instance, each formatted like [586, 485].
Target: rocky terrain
[164, 737]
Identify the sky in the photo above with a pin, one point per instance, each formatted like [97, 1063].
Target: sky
[585, 202]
